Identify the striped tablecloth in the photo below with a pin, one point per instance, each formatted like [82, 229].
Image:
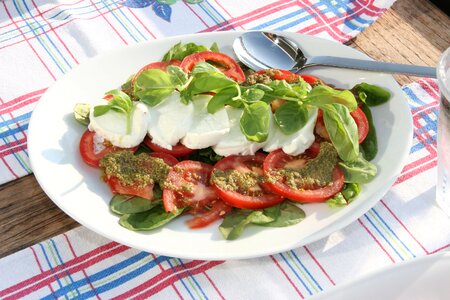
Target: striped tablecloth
[42, 40]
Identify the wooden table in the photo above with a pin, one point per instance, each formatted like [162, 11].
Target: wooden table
[412, 31]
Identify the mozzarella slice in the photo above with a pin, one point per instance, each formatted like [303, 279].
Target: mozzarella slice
[169, 121]
[234, 142]
[112, 126]
[207, 129]
[296, 143]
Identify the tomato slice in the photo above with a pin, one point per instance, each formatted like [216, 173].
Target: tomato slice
[187, 185]
[257, 196]
[289, 76]
[360, 119]
[160, 65]
[277, 160]
[87, 149]
[217, 210]
[230, 68]
[133, 190]
[178, 150]
[167, 158]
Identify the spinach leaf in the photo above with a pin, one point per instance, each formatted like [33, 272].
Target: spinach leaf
[321, 95]
[283, 214]
[223, 97]
[291, 116]
[81, 113]
[255, 121]
[180, 51]
[350, 191]
[369, 147]
[234, 223]
[338, 200]
[148, 220]
[374, 95]
[342, 130]
[153, 86]
[126, 204]
[206, 155]
[358, 171]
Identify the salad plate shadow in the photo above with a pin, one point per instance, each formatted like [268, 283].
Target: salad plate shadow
[78, 190]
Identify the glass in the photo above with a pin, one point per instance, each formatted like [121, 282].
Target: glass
[443, 140]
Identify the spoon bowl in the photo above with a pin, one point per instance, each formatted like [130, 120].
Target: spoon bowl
[266, 50]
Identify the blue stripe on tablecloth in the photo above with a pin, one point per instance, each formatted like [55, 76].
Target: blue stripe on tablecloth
[62, 263]
[124, 26]
[193, 278]
[295, 273]
[202, 6]
[51, 268]
[107, 272]
[306, 270]
[410, 93]
[131, 23]
[285, 17]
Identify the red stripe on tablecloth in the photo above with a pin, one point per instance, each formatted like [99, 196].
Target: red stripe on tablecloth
[83, 271]
[255, 14]
[404, 226]
[40, 266]
[10, 148]
[28, 42]
[8, 167]
[376, 240]
[166, 278]
[21, 101]
[72, 266]
[107, 21]
[195, 13]
[214, 285]
[142, 23]
[55, 32]
[430, 87]
[287, 277]
[440, 249]
[162, 269]
[319, 265]
[226, 11]
[416, 171]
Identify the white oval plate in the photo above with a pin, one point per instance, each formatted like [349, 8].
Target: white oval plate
[78, 190]
[417, 279]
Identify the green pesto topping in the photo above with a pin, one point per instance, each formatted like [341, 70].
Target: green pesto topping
[232, 180]
[317, 172]
[133, 169]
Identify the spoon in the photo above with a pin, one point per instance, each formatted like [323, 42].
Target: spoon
[264, 50]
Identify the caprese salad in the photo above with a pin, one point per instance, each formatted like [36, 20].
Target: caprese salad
[198, 134]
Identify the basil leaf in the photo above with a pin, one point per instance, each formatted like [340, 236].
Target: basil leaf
[120, 101]
[321, 95]
[214, 47]
[101, 110]
[358, 171]
[284, 214]
[252, 95]
[374, 95]
[291, 116]
[234, 223]
[204, 67]
[209, 83]
[255, 121]
[126, 204]
[180, 51]
[338, 200]
[148, 220]
[369, 147]
[223, 97]
[350, 191]
[178, 77]
[81, 113]
[342, 130]
[153, 86]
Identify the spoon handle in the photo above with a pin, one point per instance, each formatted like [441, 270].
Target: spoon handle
[368, 65]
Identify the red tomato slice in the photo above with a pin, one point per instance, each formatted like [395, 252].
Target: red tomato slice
[178, 150]
[218, 210]
[187, 185]
[133, 190]
[260, 196]
[290, 77]
[87, 149]
[278, 160]
[231, 69]
[360, 119]
[167, 158]
[160, 65]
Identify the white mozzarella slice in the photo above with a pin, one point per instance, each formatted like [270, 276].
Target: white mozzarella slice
[234, 142]
[169, 121]
[112, 126]
[296, 143]
[207, 129]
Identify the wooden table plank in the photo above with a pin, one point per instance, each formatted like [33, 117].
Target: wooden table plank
[412, 31]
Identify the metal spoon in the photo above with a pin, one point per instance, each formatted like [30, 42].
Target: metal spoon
[264, 50]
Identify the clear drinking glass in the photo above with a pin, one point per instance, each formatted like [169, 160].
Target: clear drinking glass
[443, 141]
